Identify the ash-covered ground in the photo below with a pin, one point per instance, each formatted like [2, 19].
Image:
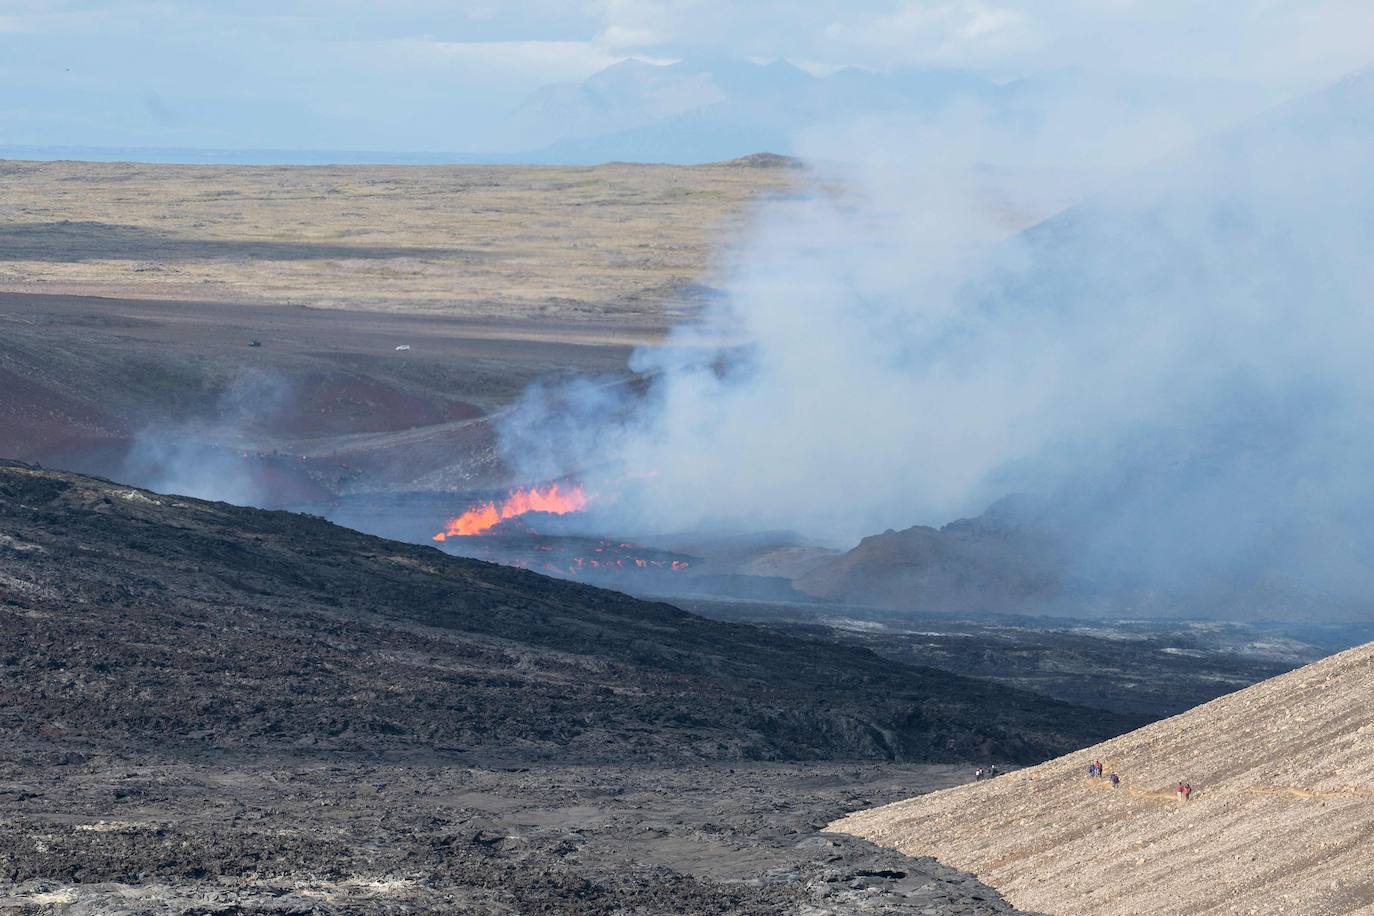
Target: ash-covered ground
[216, 709]
[1149, 667]
[1153, 668]
[301, 833]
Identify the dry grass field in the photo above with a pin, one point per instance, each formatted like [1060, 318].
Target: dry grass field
[613, 242]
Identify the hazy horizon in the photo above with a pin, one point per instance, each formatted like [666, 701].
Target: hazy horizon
[424, 81]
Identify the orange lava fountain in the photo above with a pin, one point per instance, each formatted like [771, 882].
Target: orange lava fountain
[482, 517]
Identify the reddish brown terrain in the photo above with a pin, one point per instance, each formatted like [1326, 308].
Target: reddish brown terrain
[324, 404]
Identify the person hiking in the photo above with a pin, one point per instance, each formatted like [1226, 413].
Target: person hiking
[1187, 791]
[1115, 780]
[978, 775]
[1092, 770]
[992, 771]
[1178, 791]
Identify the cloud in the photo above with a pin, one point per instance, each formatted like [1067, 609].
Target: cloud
[530, 63]
[619, 36]
[1286, 44]
[964, 33]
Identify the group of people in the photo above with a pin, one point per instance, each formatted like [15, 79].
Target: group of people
[1184, 791]
[1095, 772]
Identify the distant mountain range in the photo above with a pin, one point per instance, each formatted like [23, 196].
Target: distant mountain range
[702, 110]
[712, 109]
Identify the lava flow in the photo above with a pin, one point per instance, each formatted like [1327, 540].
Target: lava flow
[487, 515]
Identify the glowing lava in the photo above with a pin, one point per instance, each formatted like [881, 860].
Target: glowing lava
[487, 515]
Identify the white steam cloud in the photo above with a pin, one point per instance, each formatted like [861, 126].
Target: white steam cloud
[1176, 371]
[207, 458]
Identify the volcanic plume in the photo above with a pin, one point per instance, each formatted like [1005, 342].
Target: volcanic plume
[1174, 371]
[482, 517]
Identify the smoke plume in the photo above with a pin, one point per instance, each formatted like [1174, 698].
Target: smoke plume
[1173, 372]
[207, 458]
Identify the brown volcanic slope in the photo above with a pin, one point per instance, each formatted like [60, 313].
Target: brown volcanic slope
[1281, 821]
[970, 565]
[325, 404]
[129, 618]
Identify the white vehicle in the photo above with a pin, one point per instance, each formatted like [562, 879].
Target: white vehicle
[403, 347]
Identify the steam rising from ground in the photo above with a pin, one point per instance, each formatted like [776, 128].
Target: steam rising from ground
[1176, 372]
[205, 458]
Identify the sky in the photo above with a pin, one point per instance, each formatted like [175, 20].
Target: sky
[426, 75]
